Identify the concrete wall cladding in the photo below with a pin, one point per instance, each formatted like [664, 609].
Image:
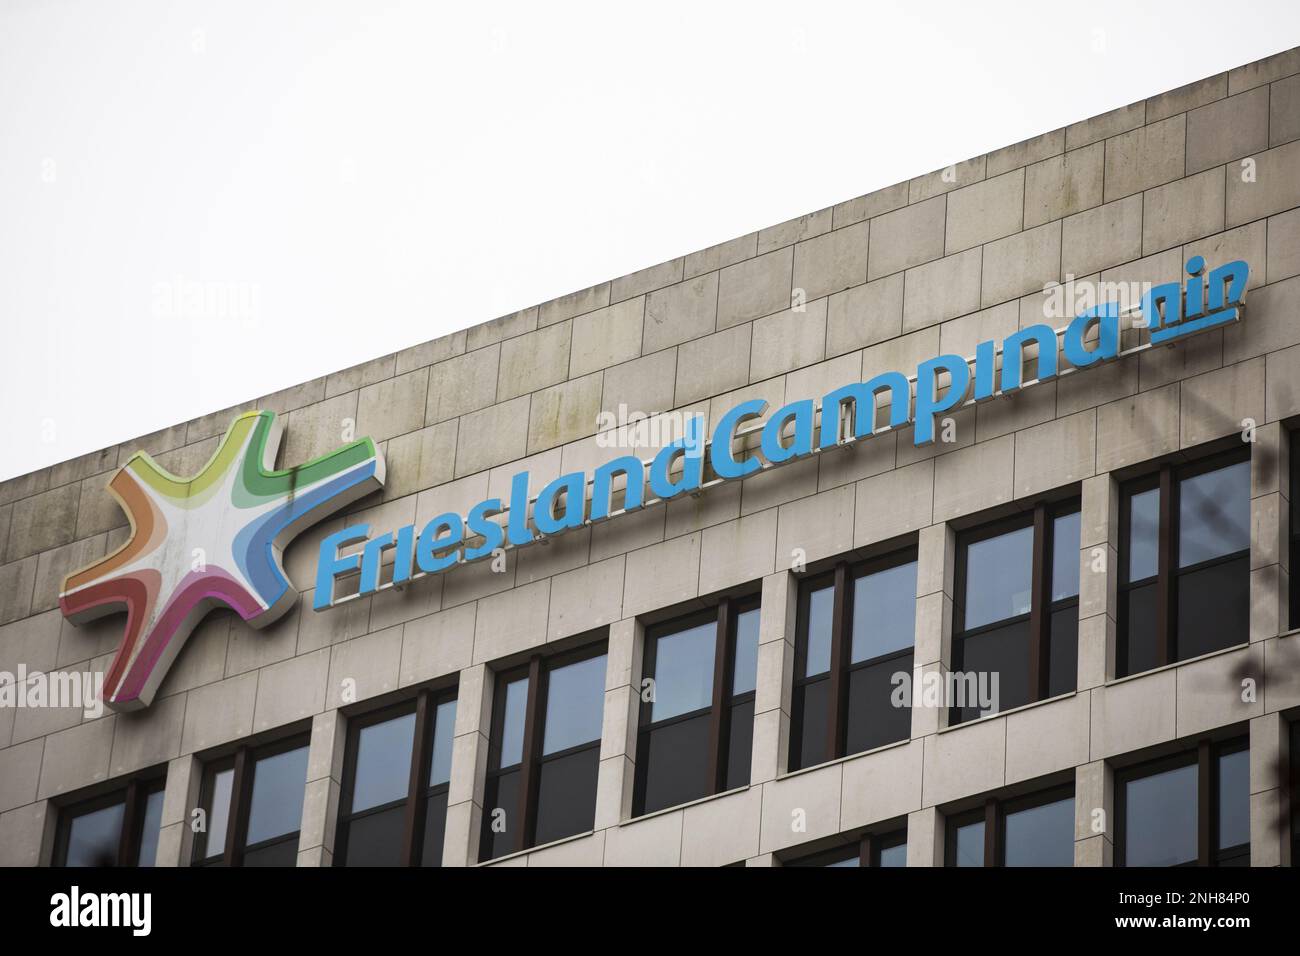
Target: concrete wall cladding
[935, 264]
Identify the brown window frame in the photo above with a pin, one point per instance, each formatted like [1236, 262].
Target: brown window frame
[1205, 757]
[537, 666]
[425, 706]
[842, 577]
[994, 813]
[242, 762]
[1041, 517]
[133, 794]
[1167, 478]
[725, 613]
[866, 849]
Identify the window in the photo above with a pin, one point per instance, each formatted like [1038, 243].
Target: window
[856, 630]
[117, 829]
[872, 849]
[394, 804]
[252, 801]
[1191, 809]
[1294, 438]
[697, 713]
[1016, 613]
[1036, 830]
[544, 751]
[1295, 792]
[1184, 563]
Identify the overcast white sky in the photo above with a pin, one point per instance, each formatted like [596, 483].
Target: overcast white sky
[345, 179]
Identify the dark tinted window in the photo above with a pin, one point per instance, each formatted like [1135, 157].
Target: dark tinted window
[383, 768]
[821, 603]
[675, 744]
[1144, 534]
[1234, 800]
[1160, 818]
[444, 730]
[152, 825]
[999, 574]
[575, 699]
[93, 837]
[884, 612]
[683, 677]
[278, 784]
[968, 849]
[1199, 565]
[566, 787]
[1041, 835]
[894, 855]
[1065, 556]
[878, 632]
[1214, 514]
[556, 705]
[1012, 646]
[385, 750]
[745, 673]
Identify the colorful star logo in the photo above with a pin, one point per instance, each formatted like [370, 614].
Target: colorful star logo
[214, 539]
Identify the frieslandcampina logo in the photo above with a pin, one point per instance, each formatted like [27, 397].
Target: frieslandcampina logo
[216, 539]
[213, 539]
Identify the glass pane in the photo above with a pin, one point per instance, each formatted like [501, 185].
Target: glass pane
[153, 804]
[740, 744]
[1041, 836]
[840, 856]
[500, 812]
[93, 837]
[684, 671]
[999, 575]
[744, 675]
[993, 672]
[1063, 660]
[444, 730]
[1160, 818]
[873, 720]
[376, 839]
[1065, 556]
[894, 855]
[512, 726]
[812, 711]
[1214, 514]
[383, 771]
[1144, 535]
[1213, 608]
[676, 763]
[566, 795]
[219, 813]
[283, 853]
[821, 609]
[575, 699]
[278, 785]
[969, 847]
[884, 612]
[1234, 799]
[435, 829]
[1139, 622]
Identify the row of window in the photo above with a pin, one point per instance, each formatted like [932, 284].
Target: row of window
[1189, 809]
[1183, 591]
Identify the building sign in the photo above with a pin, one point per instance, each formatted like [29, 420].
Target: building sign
[217, 538]
[214, 539]
[794, 431]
